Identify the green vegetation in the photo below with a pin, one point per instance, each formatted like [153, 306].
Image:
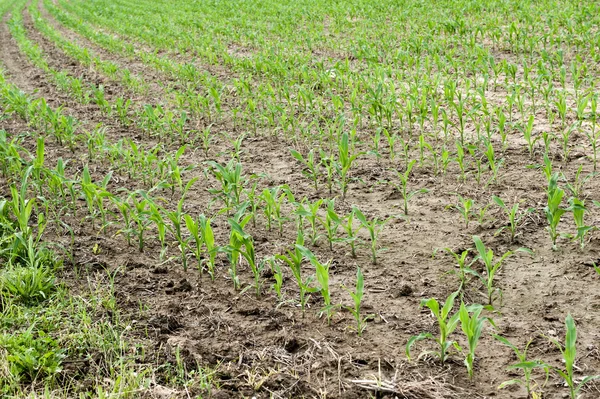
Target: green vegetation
[268, 144]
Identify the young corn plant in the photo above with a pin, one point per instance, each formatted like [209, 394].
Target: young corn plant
[236, 241]
[311, 166]
[232, 182]
[528, 135]
[493, 163]
[357, 297]
[578, 209]
[311, 213]
[121, 108]
[208, 238]
[254, 200]
[329, 164]
[294, 260]
[22, 208]
[593, 134]
[569, 354]
[140, 216]
[345, 161]
[576, 188]
[237, 147]
[38, 170]
[486, 256]
[526, 365]
[514, 217]
[461, 262]
[95, 195]
[248, 253]
[402, 188]
[322, 273]
[374, 227]
[207, 139]
[331, 223]
[472, 326]
[155, 215]
[464, 207]
[351, 232]
[446, 324]
[278, 277]
[553, 208]
[125, 210]
[194, 228]
[273, 199]
[596, 268]
[460, 160]
[176, 217]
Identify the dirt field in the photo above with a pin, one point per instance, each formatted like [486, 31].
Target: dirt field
[229, 343]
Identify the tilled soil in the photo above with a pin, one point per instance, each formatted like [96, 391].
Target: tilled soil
[261, 347]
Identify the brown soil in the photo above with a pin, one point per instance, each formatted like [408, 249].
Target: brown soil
[265, 349]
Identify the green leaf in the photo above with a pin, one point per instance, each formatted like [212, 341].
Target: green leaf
[510, 382]
[570, 351]
[498, 201]
[414, 339]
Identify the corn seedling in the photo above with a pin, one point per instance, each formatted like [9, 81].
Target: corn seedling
[486, 256]
[161, 227]
[345, 161]
[472, 326]
[594, 133]
[208, 238]
[294, 261]
[460, 160]
[446, 324]
[237, 147]
[464, 207]
[140, 215]
[391, 140]
[207, 139]
[402, 188]
[94, 196]
[176, 219]
[195, 229]
[514, 216]
[322, 273]
[328, 162]
[311, 212]
[357, 297]
[121, 108]
[125, 210]
[566, 139]
[351, 232]
[331, 223]
[461, 262]
[578, 209]
[311, 167]
[22, 208]
[493, 163]
[278, 277]
[569, 353]
[475, 153]
[576, 188]
[526, 365]
[232, 182]
[273, 199]
[236, 241]
[375, 227]
[553, 208]
[528, 135]
[246, 249]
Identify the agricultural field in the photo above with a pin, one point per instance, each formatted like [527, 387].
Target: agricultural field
[299, 199]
